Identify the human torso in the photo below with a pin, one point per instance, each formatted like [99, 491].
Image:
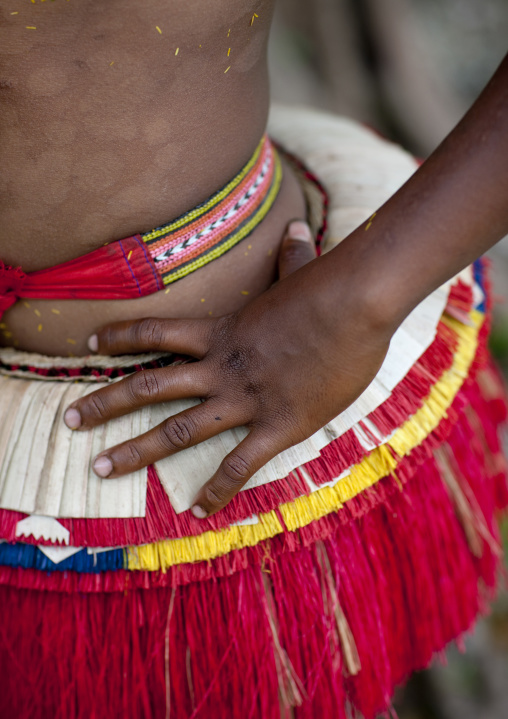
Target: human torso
[115, 118]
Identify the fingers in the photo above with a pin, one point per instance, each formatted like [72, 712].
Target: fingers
[190, 337]
[139, 389]
[178, 432]
[297, 249]
[236, 469]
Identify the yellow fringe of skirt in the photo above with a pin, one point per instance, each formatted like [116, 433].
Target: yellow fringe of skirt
[304, 510]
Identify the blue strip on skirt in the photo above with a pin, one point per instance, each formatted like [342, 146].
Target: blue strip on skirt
[28, 556]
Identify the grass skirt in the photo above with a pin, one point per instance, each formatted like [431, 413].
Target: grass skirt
[356, 568]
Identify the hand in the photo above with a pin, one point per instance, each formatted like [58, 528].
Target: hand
[283, 366]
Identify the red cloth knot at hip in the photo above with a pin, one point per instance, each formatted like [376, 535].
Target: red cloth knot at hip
[12, 280]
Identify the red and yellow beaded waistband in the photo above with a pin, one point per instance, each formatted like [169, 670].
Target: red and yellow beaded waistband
[220, 223]
[143, 264]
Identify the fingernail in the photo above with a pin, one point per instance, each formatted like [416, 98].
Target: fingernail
[72, 418]
[199, 512]
[93, 343]
[299, 230]
[103, 466]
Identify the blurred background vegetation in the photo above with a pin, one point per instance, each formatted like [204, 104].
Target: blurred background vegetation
[411, 68]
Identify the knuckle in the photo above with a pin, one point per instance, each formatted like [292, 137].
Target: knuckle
[149, 332]
[107, 337]
[295, 252]
[253, 389]
[96, 406]
[237, 360]
[177, 434]
[223, 327]
[133, 455]
[236, 469]
[213, 497]
[144, 385]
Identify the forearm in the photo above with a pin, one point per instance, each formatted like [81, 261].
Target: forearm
[450, 211]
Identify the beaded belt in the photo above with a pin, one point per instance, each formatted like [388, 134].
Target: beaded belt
[145, 263]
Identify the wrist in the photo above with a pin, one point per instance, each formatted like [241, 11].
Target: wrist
[366, 284]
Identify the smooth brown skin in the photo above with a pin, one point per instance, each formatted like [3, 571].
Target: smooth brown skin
[225, 285]
[290, 361]
[93, 152]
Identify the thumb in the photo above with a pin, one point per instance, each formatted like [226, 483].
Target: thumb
[297, 248]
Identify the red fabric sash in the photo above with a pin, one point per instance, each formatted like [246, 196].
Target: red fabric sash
[129, 268]
[126, 269]
[120, 271]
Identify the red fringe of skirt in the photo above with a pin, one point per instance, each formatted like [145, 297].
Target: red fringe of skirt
[383, 584]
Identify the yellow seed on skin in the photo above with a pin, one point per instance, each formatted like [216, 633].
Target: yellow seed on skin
[111, 63]
[55, 312]
[244, 292]
[167, 291]
[202, 299]
[71, 342]
[37, 313]
[270, 253]
[31, 27]
[3, 326]
[39, 328]
[225, 71]
[210, 312]
[252, 21]
[7, 334]
[229, 52]
[249, 247]
[129, 255]
[229, 32]
[370, 221]
[14, 13]
[26, 305]
[177, 51]
[158, 29]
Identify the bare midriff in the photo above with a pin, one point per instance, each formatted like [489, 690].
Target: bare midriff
[117, 117]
